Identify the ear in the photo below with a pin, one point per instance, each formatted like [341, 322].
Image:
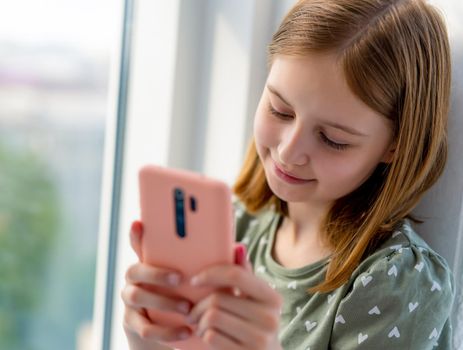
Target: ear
[389, 154]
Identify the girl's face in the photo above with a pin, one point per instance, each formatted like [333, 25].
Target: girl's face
[317, 141]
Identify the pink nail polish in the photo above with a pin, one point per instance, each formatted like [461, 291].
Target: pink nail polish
[240, 254]
[137, 227]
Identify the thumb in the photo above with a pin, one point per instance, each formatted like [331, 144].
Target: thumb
[136, 233]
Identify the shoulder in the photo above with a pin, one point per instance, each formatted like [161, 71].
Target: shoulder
[402, 282]
[406, 258]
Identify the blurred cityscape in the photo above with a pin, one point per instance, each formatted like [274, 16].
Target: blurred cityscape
[53, 103]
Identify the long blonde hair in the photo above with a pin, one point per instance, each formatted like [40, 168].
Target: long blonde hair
[395, 56]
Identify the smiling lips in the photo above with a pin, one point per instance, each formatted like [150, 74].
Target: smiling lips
[287, 177]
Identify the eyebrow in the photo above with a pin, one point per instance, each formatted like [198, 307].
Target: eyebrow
[332, 124]
[273, 91]
[344, 128]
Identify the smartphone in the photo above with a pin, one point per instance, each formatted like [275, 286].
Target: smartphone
[188, 226]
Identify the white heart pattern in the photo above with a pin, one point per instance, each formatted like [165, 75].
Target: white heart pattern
[362, 337]
[261, 269]
[392, 271]
[292, 285]
[412, 306]
[310, 325]
[263, 241]
[419, 266]
[366, 279]
[375, 310]
[394, 333]
[340, 319]
[433, 334]
[298, 309]
[435, 286]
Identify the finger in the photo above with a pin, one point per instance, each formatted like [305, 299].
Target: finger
[218, 340]
[241, 259]
[136, 232]
[241, 256]
[139, 298]
[147, 274]
[233, 329]
[226, 276]
[257, 314]
[135, 322]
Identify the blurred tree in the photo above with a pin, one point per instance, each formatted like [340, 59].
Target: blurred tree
[29, 215]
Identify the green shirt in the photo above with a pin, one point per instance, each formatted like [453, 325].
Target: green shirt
[400, 297]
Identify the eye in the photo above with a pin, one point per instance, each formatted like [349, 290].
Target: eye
[279, 115]
[332, 144]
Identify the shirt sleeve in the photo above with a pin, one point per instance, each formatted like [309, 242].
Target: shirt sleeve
[403, 301]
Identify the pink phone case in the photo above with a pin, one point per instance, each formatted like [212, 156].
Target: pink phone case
[203, 238]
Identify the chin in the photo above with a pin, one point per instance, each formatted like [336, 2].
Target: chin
[287, 194]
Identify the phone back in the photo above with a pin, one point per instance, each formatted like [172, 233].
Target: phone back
[188, 225]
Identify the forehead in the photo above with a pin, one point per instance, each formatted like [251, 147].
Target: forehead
[315, 85]
[306, 77]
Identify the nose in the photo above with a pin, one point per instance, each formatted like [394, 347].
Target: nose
[294, 147]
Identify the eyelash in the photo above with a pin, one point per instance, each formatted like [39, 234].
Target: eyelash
[325, 139]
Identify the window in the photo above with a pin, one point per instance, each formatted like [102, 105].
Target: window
[54, 77]
[75, 127]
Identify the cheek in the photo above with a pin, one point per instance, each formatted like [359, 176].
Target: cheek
[349, 173]
[265, 132]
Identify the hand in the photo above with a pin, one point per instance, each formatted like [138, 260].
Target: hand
[245, 319]
[143, 332]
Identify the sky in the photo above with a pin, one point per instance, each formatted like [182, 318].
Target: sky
[86, 23]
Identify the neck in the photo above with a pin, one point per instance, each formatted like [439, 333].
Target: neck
[304, 222]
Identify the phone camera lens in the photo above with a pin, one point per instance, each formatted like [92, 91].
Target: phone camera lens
[193, 203]
[179, 207]
[178, 193]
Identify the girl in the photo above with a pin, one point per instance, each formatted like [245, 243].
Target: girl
[348, 135]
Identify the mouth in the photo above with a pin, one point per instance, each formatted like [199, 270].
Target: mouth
[288, 177]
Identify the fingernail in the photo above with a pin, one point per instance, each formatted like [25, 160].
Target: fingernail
[190, 319]
[199, 332]
[173, 279]
[137, 227]
[183, 307]
[240, 254]
[195, 281]
[237, 292]
[184, 335]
